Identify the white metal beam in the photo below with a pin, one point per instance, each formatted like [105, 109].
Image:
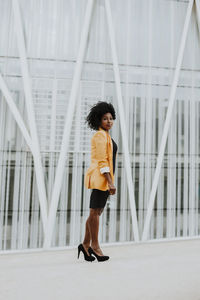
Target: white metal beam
[198, 13]
[167, 122]
[68, 125]
[122, 121]
[30, 111]
[14, 110]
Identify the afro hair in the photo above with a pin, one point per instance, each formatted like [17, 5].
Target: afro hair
[96, 113]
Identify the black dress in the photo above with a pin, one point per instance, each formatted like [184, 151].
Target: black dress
[98, 198]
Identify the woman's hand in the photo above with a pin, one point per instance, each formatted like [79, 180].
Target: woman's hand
[112, 188]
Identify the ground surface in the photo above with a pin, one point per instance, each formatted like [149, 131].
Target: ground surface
[169, 270]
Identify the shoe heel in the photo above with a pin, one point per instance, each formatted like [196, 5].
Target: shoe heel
[78, 253]
[86, 256]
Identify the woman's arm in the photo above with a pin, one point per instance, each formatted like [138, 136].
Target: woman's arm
[111, 186]
[101, 152]
[102, 157]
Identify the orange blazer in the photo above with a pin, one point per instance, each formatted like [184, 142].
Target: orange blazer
[101, 161]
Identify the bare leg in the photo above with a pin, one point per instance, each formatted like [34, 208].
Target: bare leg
[94, 229]
[87, 238]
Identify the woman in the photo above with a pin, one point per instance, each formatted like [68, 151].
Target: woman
[100, 176]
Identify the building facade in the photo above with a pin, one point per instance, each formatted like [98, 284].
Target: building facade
[57, 59]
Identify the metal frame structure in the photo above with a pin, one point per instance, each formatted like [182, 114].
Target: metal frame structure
[30, 111]
[167, 122]
[68, 124]
[122, 122]
[15, 112]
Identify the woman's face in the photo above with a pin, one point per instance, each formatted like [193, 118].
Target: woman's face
[106, 121]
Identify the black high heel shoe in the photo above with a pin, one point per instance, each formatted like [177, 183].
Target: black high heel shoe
[99, 258]
[87, 257]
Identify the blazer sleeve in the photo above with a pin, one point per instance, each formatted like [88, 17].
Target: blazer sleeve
[101, 152]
